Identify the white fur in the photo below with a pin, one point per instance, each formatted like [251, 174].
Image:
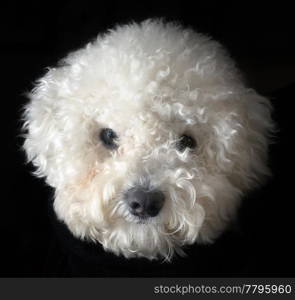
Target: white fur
[150, 83]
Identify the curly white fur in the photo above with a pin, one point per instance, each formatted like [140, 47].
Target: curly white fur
[150, 83]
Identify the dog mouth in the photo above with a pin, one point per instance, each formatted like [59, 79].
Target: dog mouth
[140, 219]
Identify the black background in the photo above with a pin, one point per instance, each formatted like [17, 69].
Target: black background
[260, 37]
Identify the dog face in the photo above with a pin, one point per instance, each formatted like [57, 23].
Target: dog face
[149, 137]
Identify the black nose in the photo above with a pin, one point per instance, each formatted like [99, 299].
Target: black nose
[143, 202]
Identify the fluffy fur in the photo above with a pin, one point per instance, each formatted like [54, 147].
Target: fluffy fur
[150, 82]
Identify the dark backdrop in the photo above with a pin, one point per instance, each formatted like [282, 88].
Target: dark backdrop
[34, 35]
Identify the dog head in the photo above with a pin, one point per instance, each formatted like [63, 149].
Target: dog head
[149, 137]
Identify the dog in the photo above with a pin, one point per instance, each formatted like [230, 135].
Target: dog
[150, 137]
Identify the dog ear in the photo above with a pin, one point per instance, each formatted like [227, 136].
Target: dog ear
[243, 139]
[40, 128]
[259, 129]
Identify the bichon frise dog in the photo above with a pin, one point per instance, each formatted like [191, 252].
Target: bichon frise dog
[149, 137]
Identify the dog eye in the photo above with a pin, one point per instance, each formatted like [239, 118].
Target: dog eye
[186, 141]
[108, 137]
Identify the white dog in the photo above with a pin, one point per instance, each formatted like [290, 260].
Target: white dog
[149, 137]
